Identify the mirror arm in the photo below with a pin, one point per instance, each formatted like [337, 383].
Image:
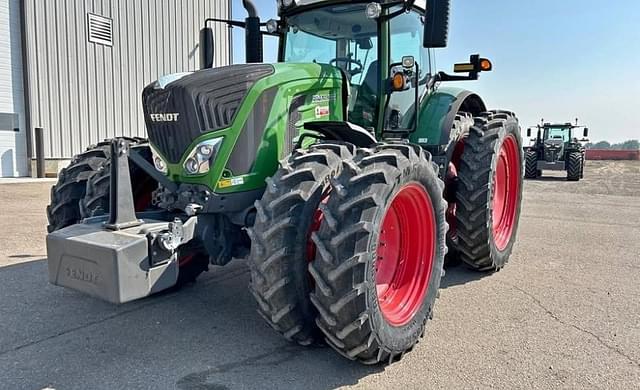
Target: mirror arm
[230, 23]
[442, 76]
[236, 23]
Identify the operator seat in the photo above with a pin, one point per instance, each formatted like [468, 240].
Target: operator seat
[365, 108]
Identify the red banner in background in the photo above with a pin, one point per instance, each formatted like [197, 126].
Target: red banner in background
[607, 154]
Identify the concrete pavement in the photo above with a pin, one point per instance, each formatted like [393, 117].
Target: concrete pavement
[563, 314]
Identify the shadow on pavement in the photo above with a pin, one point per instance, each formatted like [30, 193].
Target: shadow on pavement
[459, 274]
[206, 336]
[549, 179]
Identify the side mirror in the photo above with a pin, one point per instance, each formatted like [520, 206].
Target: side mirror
[529, 133]
[436, 24]
[206, 48]
[586, 132]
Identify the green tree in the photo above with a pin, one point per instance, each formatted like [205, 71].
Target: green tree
[632, 144]
[602, 145]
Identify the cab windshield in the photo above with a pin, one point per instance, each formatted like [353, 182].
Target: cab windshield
[341, 36]
[557, 133]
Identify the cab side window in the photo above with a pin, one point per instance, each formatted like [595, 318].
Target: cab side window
[406, 40]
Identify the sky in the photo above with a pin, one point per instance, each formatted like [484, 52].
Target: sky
[553, 59]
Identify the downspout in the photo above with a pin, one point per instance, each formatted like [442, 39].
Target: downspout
[230, 30]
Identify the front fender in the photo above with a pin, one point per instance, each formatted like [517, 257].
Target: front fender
[437, 113]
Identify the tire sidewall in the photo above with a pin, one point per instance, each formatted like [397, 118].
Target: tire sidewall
[399, 339]
[510, 128]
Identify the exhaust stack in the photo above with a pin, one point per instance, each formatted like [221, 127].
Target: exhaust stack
[253, 35]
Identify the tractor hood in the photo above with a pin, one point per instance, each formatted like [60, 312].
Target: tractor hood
[180, 108]
[256, 109]
[178, 112]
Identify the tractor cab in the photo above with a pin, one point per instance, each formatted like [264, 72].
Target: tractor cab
[352, 37]
[382, 49]
[559, 134]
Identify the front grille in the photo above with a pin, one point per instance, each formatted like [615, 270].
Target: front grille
[206, 101]
[551, 155]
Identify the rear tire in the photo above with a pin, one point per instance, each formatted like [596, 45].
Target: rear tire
[355, 242]
[280, 239]
[574, 166]
[531, 165]
[461, 125]
[487, 227]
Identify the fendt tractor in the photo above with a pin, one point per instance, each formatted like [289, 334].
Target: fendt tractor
[344, 172]
[556, 148]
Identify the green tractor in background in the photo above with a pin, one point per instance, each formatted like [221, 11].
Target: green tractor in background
[556, 148]
[345, 173]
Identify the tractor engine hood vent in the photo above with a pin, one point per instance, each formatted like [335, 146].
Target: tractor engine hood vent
[196, 103]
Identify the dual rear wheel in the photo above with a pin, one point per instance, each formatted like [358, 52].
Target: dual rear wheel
[349, 245]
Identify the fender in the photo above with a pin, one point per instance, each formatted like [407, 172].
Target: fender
[437, 113]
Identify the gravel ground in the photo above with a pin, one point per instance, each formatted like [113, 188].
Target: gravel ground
[563, 314]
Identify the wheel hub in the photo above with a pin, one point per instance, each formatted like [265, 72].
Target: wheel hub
[505, 192]
[405, 254]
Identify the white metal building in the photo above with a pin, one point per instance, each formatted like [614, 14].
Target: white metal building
[76, 68]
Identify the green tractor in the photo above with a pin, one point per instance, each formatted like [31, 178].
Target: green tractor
[345, 173]
[556, 148]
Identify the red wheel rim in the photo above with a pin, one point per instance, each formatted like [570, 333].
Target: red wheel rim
[405, 255]
[505, 192]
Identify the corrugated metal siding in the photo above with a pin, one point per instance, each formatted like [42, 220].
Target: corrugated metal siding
[13, 159]
[82, 92]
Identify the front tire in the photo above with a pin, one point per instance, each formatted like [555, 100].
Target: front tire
[380, 254]
[489, 193]
[531, 165]
[574, 166]
[280, 245]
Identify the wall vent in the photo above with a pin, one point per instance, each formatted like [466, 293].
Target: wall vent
[100, 29]
[9, 122]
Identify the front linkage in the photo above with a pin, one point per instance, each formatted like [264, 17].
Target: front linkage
[122, 256]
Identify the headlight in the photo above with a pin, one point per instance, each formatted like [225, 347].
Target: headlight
[199, 160]
[159, 162]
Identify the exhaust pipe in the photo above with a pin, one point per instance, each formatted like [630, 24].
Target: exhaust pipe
[253, 35]
[251, 8]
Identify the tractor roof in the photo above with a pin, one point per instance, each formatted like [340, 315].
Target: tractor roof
[566, 125]
[558, 126]
[422, 4]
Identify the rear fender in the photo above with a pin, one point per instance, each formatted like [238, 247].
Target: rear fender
[437, 113]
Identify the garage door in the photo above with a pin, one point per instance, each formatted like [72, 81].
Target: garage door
[13, 156]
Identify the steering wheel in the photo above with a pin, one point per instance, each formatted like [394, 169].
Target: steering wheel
[359, 68]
